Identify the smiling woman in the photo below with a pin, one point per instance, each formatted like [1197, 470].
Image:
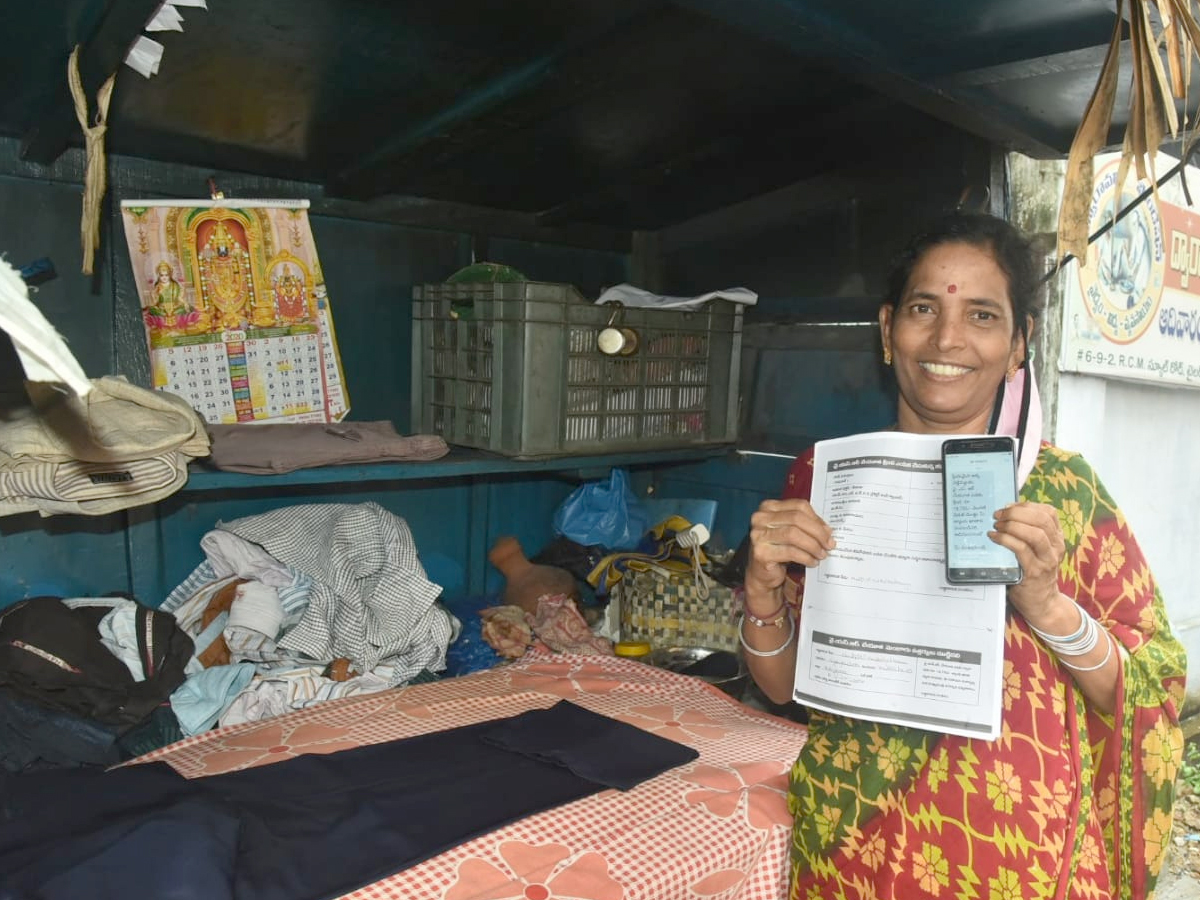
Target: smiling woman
[954, 338]
[1082, 776]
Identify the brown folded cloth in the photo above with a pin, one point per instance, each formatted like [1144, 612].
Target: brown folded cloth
[275, 448]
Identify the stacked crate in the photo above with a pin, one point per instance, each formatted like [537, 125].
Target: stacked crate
[514, 368]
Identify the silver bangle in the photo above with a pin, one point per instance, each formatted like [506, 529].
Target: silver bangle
[1077, 635]
[1099, 665]
[1082, 642]
[777, 650]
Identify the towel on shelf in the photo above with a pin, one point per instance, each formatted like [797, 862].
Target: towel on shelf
[275, 448]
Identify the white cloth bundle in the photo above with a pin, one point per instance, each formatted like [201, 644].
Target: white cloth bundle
[117, 446]
[256, 606]
[631, 296]
[89, 446]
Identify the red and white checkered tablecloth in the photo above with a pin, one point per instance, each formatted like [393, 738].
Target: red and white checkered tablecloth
[717, 827]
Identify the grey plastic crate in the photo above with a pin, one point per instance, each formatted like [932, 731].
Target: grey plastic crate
[513, 368]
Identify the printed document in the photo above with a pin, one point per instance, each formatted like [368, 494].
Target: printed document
[883, 635]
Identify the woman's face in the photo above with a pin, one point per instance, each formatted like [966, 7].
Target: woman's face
[952, 340]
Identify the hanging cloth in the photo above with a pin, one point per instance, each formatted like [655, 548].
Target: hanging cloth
[95, 179]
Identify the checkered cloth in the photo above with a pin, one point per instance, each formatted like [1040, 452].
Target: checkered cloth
[370, 599]
[718, 827]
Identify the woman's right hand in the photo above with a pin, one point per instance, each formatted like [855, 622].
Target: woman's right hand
[784, 532]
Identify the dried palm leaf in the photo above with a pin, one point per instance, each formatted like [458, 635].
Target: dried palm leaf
[1176, 53]
[1154, 90]
[1148, 106]
[1161, 88]
[1090, 139]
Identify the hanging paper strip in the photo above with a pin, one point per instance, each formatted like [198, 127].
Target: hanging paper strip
[237, 316]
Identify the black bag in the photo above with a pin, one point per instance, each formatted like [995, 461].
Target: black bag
[578, 559]
[52, 654]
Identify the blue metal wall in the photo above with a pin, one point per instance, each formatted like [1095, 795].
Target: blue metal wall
[370, 268]
[801, 381]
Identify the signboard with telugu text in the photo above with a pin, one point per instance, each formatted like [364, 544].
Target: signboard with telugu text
[1133, 312]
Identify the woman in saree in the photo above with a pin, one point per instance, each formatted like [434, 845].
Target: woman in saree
[1074, 799]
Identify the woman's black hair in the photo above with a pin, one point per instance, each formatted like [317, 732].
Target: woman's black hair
[1013, 252]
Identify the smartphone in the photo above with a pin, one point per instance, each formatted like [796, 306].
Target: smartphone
[979, 476]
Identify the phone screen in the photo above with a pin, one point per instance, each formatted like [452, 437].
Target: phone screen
[978, 478]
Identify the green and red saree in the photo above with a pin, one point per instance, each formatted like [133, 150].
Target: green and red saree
[1067, 803]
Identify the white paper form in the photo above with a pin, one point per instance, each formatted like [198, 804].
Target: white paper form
[883, 635]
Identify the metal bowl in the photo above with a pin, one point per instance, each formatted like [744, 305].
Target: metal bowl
[721, 668]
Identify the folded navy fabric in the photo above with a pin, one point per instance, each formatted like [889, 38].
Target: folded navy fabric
[595, 747]
[313, 827]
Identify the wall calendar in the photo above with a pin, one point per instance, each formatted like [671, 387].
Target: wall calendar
[237, 315]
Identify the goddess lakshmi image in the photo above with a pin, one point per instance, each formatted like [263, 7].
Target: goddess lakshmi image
[290, 288]
[225, 277]
[168, 310]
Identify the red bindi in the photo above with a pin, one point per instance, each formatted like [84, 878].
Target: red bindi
[952, 289]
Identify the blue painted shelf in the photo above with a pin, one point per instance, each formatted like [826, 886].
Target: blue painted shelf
[459, 463]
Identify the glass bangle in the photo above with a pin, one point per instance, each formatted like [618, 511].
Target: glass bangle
[774, 620]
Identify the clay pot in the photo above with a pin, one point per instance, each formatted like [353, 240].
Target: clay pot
[524, 581]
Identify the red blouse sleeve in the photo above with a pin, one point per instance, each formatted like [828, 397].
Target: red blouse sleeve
[798, 484]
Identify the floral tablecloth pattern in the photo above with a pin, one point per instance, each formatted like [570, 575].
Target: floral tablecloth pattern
[715, 828]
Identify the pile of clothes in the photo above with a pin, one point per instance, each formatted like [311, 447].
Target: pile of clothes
[293, 607]
[304, 604]
[86, 681]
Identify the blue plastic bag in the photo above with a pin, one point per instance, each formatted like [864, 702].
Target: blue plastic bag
[604, 513]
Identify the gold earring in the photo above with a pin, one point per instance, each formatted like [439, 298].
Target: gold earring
[887, 356]
[1012, 373]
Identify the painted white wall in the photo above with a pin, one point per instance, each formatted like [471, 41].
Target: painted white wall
[1142, 439]
[1144, 442]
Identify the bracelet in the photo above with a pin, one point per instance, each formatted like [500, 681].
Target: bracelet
[1068, 638]
[1099, 665]
[774, 619]
[777, 650]
[1081, 647]
[1081, 642]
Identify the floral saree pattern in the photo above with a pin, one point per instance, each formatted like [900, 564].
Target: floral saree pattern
[1066, 803]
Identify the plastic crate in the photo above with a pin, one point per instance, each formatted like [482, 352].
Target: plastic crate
[513, 368]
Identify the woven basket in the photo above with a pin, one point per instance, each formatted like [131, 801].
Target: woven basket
[669, 612]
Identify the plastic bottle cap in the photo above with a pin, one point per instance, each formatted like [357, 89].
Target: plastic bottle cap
[631, 648]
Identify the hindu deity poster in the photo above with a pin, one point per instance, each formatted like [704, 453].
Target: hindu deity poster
[236, 311]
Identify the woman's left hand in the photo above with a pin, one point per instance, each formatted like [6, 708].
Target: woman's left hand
[1032, 531]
